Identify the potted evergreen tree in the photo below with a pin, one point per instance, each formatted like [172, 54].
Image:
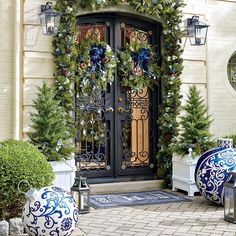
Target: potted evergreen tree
[193, 140]
[51, 136]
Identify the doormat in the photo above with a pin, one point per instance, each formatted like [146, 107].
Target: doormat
[135, 198]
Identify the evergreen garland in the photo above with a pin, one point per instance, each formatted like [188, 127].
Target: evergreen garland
[65, 55]
[172, 66]
[170, 13]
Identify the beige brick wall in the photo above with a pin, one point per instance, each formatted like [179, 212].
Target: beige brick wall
[206, 66]
[6, 67]
[38, 60]
[221, 17]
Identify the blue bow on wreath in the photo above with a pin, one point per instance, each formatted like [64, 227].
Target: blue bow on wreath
[97, 54]
[142, 58]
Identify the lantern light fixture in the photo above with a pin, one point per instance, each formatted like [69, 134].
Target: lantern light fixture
[196, 31]
[81, 193]
[230, 199]
[49, 19]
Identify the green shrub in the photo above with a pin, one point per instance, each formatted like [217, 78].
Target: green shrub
[20, 160]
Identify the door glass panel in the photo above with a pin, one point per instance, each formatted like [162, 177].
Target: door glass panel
[95, 31]
[131, 34]
[93, 135]
[93, 122]
[135, 128]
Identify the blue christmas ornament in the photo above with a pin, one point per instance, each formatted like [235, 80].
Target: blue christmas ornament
[212, 172]
[58, 51]
[63, 65]
[154, 2]
[49, 211]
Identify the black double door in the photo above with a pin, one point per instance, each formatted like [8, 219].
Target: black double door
[117, 131]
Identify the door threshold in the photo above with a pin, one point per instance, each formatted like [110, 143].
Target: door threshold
[122, 187]
[120, 179]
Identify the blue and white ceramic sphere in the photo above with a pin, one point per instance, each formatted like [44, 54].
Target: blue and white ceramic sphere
[49, 211]
[225, 142]
[212, 172]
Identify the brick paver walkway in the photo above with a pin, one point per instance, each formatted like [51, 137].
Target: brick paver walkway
[198, 217]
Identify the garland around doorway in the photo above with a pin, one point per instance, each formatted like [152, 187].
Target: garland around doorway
[66, 59]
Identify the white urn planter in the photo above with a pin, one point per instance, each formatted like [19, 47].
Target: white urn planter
[183, 173]
[64, 173]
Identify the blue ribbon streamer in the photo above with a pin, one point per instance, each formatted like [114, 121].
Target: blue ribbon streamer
[97, 54]
[142, 58]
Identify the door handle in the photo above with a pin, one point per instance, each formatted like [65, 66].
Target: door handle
[110, 109]
[122, 110]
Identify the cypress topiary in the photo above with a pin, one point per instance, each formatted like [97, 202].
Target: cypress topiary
[50, 131]
[194, 126]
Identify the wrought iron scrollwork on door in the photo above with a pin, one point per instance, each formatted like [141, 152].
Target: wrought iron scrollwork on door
[93, 133]
[135, 129]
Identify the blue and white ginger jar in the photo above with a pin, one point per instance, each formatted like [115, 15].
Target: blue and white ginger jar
[49, 211]
[212, 172]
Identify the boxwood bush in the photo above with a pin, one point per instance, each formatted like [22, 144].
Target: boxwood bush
[20, 160]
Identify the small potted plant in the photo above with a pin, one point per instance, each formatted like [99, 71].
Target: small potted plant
[51, 135]
[193, 140]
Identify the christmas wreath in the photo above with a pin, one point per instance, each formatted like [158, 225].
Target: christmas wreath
[96, 65]
[138, 66]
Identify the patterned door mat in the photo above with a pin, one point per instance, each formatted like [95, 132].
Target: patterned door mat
[135, 198]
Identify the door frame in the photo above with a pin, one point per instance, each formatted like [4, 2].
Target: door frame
[114, 32]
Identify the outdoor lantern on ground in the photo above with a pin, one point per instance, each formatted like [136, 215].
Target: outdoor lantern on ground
[230, 199]
[81, 193]
[49, 19]
[197, 31]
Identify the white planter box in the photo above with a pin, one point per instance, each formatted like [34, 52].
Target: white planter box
[183, 173]
[64, 173]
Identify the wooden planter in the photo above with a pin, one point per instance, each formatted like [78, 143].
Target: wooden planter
[183, 173]
[64, 173]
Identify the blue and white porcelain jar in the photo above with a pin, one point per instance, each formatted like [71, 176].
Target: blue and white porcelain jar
[225, 142]
[212, 172]
[49, 211]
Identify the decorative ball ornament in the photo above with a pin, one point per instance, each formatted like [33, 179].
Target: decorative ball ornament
[225, 142]
[49, 211]
[212, 172]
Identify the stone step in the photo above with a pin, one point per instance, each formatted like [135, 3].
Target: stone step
[131, 186]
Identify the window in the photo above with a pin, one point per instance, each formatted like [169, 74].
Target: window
[232, 70]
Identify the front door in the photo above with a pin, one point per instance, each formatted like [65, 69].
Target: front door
[117, 130]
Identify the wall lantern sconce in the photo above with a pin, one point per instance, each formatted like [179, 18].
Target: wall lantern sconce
[196, 31]
[230, 199]
[81, 193]
[49, 19]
